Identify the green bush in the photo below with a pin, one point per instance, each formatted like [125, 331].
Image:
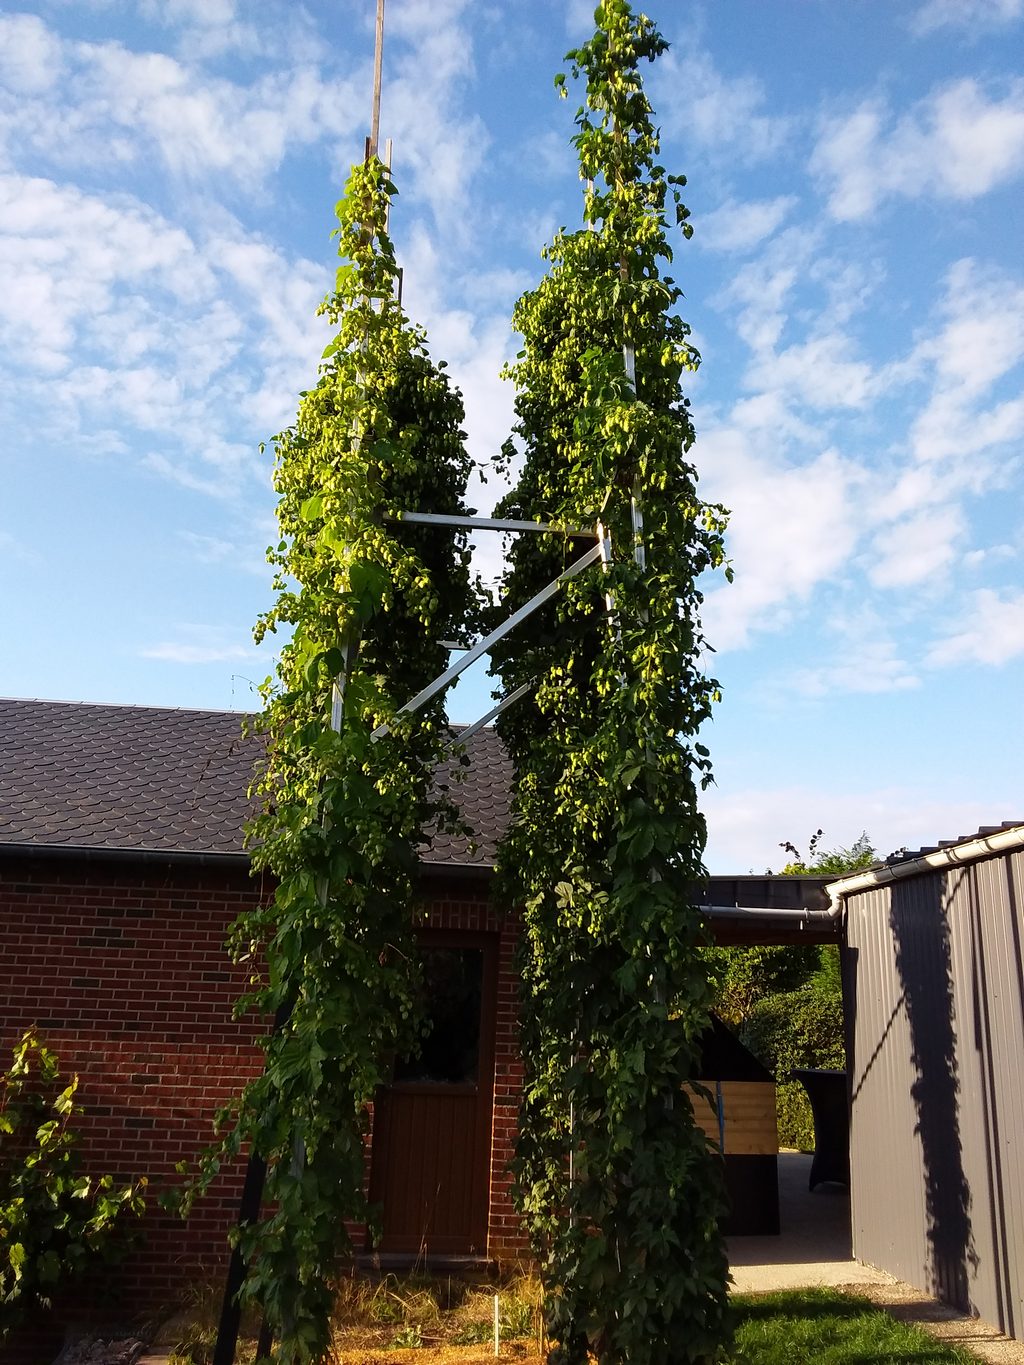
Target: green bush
[54, 1220]
[744, 976]
[801, 1028]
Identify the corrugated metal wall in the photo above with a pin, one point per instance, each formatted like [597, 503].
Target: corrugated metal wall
[936, 1022]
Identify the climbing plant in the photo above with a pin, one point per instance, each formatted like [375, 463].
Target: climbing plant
[618, 1188]
[367, 600]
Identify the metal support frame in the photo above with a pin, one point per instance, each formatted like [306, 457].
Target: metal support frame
[492, 524]
[503, 705]
[482, 646]
[474, 651]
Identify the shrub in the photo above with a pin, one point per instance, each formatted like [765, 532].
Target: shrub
[54, 1220]
[744, 976]
[801, 1028]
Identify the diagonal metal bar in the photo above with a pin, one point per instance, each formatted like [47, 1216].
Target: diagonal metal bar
[492, 524]
[478, 725]
[482, 646]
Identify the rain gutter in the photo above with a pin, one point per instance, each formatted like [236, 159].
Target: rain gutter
[802, 919]
[985, 846]
[92, 853]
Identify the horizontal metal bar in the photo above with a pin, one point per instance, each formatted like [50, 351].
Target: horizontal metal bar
[482, 646]
[478, 725]
[491, 524]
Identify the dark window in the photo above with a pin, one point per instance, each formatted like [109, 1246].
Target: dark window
[450, 1049]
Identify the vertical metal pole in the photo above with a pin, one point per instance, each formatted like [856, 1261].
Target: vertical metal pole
[248, 1212]
[636, 509]
[231, 1312]
[378, 65]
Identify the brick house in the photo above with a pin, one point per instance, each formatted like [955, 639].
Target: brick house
[121, 869]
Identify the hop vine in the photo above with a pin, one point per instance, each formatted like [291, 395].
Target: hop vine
[619, 1191]
[366, 599]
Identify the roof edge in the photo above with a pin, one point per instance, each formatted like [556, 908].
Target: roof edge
[970, 851]
[90, 853]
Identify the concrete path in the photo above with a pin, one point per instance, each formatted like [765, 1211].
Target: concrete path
[814, 1248]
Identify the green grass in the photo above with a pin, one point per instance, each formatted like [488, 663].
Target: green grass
[823, 1327]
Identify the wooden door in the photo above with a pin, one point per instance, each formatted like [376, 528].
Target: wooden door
[432, 1126]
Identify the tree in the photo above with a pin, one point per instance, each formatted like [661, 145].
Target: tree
[830, 862]
[787, 1002]
[616, 1183]
[367, 601]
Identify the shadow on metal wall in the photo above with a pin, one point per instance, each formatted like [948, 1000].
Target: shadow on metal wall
[921, 934]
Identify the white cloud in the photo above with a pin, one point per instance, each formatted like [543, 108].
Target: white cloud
[916, 549]
[874, 668]
[763, 288]
[64, 254]
[209, 28]
[721, 113]
[437, 136]
[244, 552]
[974, 559]
[769, 413]
[199, 645]
[983, 337]
[991, 631]
[819, 373]
[861, 658]
[30, 55]
[133, 107]
[792, 527]
[822, 371]
[967, 14]
[740, 226]
[200, 345]
[977, 344]
[956, 143]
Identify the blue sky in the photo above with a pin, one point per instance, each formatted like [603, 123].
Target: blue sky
[168, 170]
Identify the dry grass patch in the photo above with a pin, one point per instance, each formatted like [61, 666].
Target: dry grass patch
[381, 1319]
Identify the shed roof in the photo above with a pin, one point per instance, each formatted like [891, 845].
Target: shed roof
[150, 779]
[983, 832]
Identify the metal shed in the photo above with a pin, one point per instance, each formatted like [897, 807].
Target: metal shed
[935, 1019]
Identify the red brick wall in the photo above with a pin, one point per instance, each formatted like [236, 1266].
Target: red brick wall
[122, 970]
[123, 973]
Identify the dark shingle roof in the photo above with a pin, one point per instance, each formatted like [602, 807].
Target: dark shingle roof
[905, 854]
[135, 778]
[483, 797]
